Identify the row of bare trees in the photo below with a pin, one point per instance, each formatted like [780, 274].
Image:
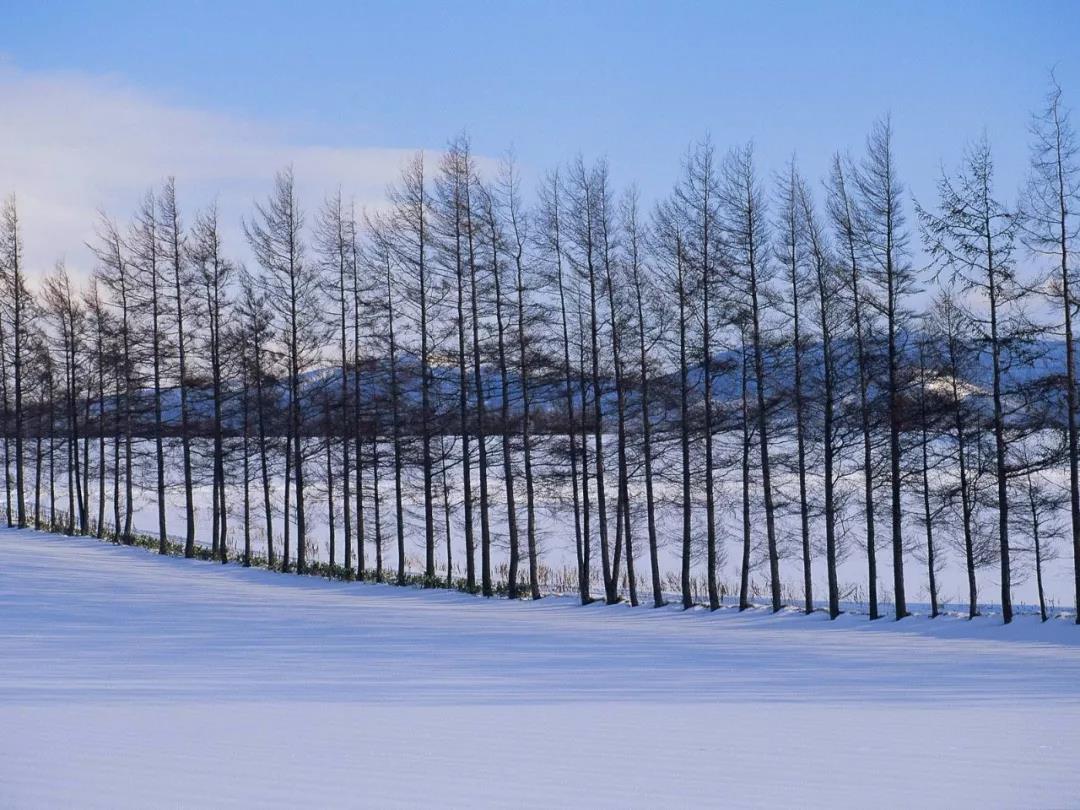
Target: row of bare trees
[758, 361]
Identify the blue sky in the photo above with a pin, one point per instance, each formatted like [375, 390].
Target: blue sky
[634, 81]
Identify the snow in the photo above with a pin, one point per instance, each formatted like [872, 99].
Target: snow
[555, 521]
[131, 680]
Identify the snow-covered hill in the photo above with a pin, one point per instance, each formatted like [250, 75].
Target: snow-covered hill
[131, 680]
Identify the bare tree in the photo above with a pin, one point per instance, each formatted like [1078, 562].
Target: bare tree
[972, 236]
[1037, 517]
[450, 198]
[292, 286]
[1051, 223]
[256, 323]
[924, 470]
[747, 448]
[408, 237]
[643, 288]
[495, 243]
[335, 238]
[697, 196]
[480, 421]
[607, 226]
[382, 261]
[5, 413]
[670, 247]
[146, 262]
[745, 224]
[950, 330]
[518, 239]
[586, 257]
[827, 283]
[16, 293]
[844, 214]
[98, 316]
[791, 229]
[358, 292]
[117, 275]
[551, 237]
[215, 274]
[885, 243]
[173, 254]
[67, 313]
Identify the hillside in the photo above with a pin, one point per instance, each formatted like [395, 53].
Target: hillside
[130, 680]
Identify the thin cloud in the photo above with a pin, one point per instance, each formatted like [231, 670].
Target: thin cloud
[73, 144]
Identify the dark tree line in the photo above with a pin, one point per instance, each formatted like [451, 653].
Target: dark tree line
[756, 359]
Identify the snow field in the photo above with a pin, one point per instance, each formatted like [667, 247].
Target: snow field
[131, 680]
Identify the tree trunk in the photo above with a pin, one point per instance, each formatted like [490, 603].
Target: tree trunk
[684, 427]
[646, 430]
[377, 497]
[763, 439]
[463, 405]
[245, 405]
[330, 493]
[264, 467]
[800, 433]
[931, 559]
[580, 541]
[744, 580]
[395, 406]
[999, 435]
[504, 410]
[1038, 549]
[286, 516]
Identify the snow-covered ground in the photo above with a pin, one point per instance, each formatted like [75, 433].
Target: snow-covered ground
[555, 535]
[130, 680]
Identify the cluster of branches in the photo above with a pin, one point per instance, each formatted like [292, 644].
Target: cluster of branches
[753, 347]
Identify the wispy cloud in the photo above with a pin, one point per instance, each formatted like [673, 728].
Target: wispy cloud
[73, 144]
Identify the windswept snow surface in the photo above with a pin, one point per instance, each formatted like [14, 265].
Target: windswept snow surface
[130, 680]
